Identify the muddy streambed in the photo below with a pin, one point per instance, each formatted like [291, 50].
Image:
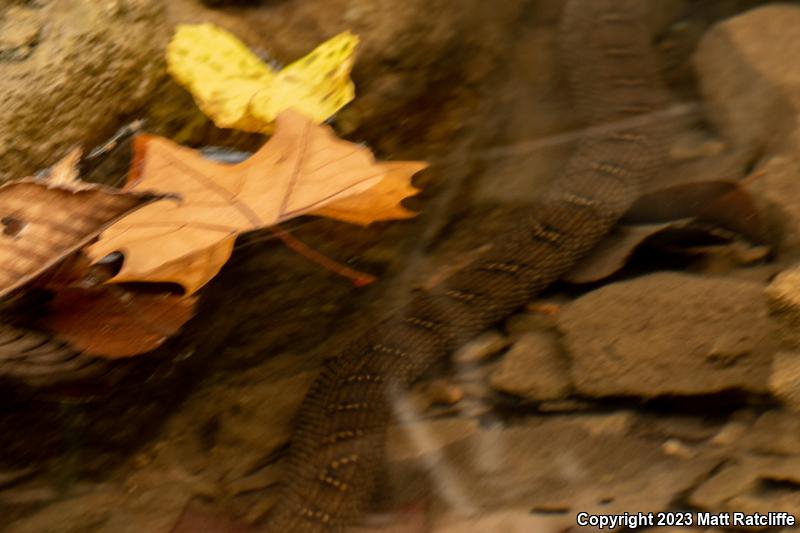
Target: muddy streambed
[670, 384]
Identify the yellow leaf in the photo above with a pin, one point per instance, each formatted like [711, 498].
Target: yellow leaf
[302, 169]
[318, 84]
[237, 90]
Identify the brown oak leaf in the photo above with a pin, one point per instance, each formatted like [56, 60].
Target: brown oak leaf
[42, 221]
[112, 322]
[303, 169]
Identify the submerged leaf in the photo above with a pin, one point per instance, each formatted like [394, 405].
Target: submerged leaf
[112, 322]
[723, 203]
[719, 210]
[611, 254]
[677, 201]
[303, 169]
[237, 90]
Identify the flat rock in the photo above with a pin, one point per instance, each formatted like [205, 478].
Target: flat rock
[534, 368]
[731, 435]
[618, 423]
[112, 508]
[749, 75]
[668, 334]
[784, 381]
[407, 441]
[775, 433]
[570, 405]
[684, 427]
[444, 392]
[529, 321]
[480, 348]
[776, 191]
[751, 484]
[783, 299]
[557, 464]
[251, 417]
[217, 450]
[505, 521]
[69, 70]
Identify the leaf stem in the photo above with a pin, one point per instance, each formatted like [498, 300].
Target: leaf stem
[359, 279]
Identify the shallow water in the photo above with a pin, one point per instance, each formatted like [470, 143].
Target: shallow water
[659, 382]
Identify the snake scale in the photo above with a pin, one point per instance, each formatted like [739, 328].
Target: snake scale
[336, 449]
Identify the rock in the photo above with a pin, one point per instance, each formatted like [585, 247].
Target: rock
[731, 434]
[410, 518]
[751, 484]
[776, 190]
[783, 299]
[442, 392]
[424, 400]
[11, 477]
[668, 334]
[533, 320]
[461, 395]
[478, 396]
[684, 427]
[618, 423]
[111, 508]
[473, 377]
[506, 521]
[480, 348]
[36, 492]
[474, 408]
[750, 80]
[784, 381]
[570, 405]
[218, 450]
[678, 449]
[549, 464]
[534, 368]
[68, 71]
[407, 441]
[249, 419]
[774, 433]
[749, 75]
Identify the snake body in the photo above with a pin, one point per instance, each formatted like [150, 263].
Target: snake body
[337, 447]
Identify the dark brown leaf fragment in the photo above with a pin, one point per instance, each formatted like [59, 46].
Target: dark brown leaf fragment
[113, 322]
[42, 224]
